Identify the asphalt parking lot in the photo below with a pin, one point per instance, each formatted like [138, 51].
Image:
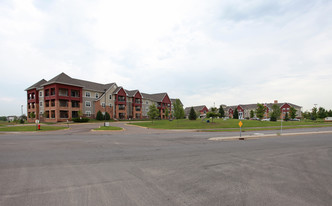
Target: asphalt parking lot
[140, 166]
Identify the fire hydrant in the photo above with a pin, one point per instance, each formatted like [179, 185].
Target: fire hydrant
[38, 126]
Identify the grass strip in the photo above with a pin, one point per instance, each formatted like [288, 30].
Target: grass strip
[30, 128]
[108, 128]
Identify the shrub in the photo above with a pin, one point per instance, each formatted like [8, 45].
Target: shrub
[99, 116]
[80, 119]
[107, 116]
[192, 114]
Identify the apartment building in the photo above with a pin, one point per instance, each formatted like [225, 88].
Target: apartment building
[63, 98]
[200, 110]
[244, 109]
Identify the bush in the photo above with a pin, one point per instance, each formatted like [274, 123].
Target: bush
[21, 121]
[107, 116]
[99, 116]
[273, 118]
[80, 119]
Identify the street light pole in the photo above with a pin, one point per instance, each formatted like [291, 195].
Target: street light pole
[105, 108]
[22, 110]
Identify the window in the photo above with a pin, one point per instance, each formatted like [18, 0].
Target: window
[75, 93]
[63, 114]
[41, 104]
[88, 104]
[88, 113]
[40, 93]
[63, 103]
[110, 96]
[63, 92]
[52, 91]
[75, 104]
[87, 94]
[147, 102]
[110, 105]
[97, 95]
[121, 107]
[103, 104]
[121, 99]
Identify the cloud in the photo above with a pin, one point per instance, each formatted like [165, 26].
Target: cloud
[204, 52]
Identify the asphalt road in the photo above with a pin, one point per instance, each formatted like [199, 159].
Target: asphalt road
[155, 167]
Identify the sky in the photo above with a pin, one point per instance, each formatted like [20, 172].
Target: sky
[207, 52]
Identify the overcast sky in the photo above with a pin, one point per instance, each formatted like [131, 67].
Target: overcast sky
[207, 52]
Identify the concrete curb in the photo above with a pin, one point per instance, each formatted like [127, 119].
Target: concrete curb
[265, 135]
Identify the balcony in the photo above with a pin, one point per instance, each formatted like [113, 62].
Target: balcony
[121, 99]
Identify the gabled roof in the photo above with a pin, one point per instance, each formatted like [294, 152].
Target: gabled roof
[36, 85]
[131, 93]
[118, 89]
[94, 86]
[196, 108]
[154, 97]
[63, 79]
[174, 100]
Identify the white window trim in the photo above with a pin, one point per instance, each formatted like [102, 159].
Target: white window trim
[40, 93]
[88, 113]
[97, 95]
[87, 102]
[40, 103]
[87, 93]
[103, 104]
[110, 96]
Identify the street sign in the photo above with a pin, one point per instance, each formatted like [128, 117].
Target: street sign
[240, 124]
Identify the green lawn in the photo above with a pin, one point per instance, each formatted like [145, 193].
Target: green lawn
[30, 128]
[109, 128]
[221, 124]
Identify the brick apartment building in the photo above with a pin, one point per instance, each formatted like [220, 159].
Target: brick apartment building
[200, 110]
[244, 109]
[63, 98]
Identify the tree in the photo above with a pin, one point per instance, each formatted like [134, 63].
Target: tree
[286, 117]
[252, 114]
[221, 111]
[167, 113]
[153, 112]
[275, 114]
[99, 116]
[329, 113]
[306, 115]
[292, 113]
[213, 113]
[3, 118]
[178, 110]
[192, 114]
[32, 115]
[321, 113]
[260, 111]
[107, 116]
[314, 113]
[236, 114]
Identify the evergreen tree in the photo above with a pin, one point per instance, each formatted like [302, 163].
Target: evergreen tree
[99, 116]
[107, 116]
[252, 114]
[192, 114]
[221, 111]
[236, 114]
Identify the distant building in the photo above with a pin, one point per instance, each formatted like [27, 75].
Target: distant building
[200, 110]
[244, 109]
